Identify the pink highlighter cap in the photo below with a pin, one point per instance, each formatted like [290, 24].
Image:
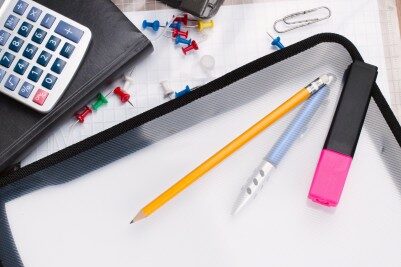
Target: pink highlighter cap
[329, 179]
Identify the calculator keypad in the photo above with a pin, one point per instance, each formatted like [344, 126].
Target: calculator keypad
[11, 22]
[68, 31]
[44, 58]
[16, 44]
[25, 29]
[20, 7]
[4, 36]
[7, 59]
[53, 43]
[30, 51]
[36, 47]
[34, 14]
[48, 21]
[12, 82]
[39, 36]
[35, 73]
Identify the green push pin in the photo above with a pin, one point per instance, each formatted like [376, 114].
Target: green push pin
[101, 101]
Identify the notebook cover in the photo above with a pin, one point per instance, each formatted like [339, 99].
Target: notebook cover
[116, 45]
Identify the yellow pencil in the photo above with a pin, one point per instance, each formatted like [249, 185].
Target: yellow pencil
[234, 145]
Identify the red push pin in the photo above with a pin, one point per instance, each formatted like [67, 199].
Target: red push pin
[192, 46]
[176, 33]
[183, 19]
[124, 96]
[80, 116]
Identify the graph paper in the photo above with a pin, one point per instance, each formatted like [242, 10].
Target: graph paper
[389, 25]
[240, 30]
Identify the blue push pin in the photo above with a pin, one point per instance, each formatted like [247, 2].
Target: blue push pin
[154, 25]
[176, 25]
[276, 42]
[183, 92]
[180, 40]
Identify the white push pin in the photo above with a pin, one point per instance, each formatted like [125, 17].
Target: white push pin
[167, 91]
[128, 80]
[208, 62]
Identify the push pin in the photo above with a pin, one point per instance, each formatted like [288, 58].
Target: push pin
[128, 81]
[166, 89]
[155, 25]
[101, 101]
[81, 116]
[276, 42]
[186, 90]
[183, 19]
[205, 25]
[180, 40]
[124, 96]
[176, 25]
[192, 46]
[176, 33]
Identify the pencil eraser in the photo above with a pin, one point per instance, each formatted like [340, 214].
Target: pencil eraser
[329, 179]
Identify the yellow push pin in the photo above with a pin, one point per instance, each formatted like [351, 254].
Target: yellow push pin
[207, 24]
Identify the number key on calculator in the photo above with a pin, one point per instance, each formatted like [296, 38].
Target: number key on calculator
[40, 52]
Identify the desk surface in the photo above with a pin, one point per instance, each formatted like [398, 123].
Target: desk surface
[390, 15]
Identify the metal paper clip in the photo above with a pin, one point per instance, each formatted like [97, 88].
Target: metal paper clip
[291, 24]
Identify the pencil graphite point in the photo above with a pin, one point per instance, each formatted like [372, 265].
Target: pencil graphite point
[139, 217]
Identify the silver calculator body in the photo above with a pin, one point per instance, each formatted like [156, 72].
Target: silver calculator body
[41, 50]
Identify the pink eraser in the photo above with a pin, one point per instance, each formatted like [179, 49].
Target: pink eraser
[329, 179]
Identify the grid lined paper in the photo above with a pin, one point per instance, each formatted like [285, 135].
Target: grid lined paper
[365, 31]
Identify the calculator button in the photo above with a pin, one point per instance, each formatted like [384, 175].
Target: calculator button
[2, 74]
[44, 58]
[39, 36]
[21, 67]
[58, 66]
[7, 59]
[53, 43]
[20, 7]
[11, 22]
[25, 29]
[48, 21]
[4, 36]
[67, 50]
[68, 31]
[34, 14]
[16, 44]
[11, 82]
[49, 81]
[30, 51]
[26, 90]
[35, 73]
[40, 97]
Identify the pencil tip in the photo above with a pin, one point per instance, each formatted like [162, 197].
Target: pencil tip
[139, 217]
[131, 222]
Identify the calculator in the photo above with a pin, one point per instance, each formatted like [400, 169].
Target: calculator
[40, 52]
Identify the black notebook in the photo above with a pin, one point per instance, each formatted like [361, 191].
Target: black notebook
[116, 45]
